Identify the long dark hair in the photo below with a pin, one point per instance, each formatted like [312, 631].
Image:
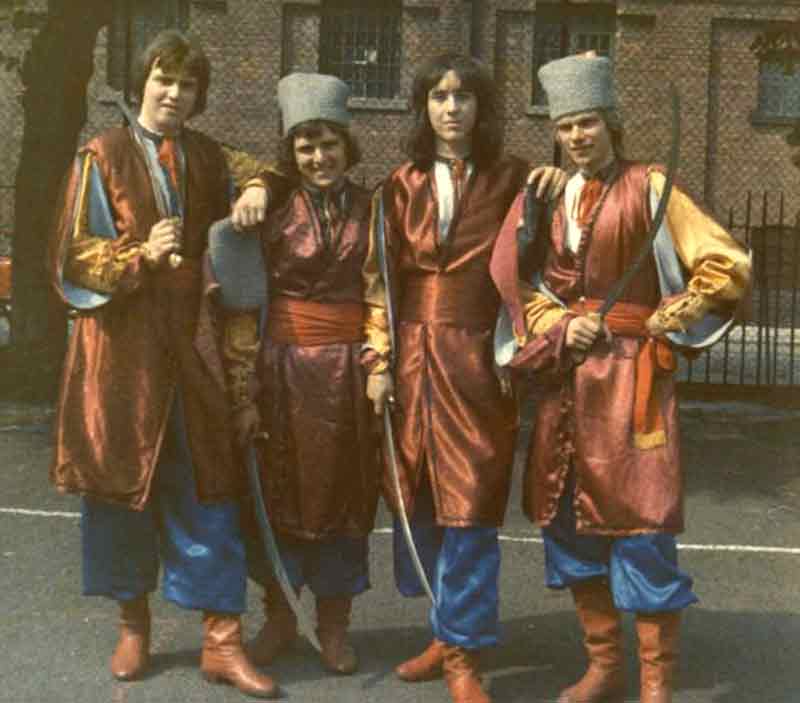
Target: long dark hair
[420, 145]
[175, 52]
[311, 129]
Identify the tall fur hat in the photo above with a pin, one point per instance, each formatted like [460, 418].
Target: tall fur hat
[578, 84]
[312, 96]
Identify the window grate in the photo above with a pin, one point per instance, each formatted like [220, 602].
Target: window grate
[778, 91]
[588, 28]
[361, 44]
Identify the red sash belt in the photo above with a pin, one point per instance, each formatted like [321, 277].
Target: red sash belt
[655, 355]
[309, 323]
[461, 299]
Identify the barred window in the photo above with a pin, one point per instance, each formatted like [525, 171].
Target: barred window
[778, 90]
[582, 29]
[360, 42]
[133, 26]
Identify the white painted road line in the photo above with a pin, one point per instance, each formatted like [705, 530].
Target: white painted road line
[38, 513]
[737, 548]
[683, 547]
[753, 549]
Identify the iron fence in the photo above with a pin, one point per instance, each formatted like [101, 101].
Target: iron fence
[759, 354]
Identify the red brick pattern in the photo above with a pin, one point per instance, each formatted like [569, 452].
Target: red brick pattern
[702, 46]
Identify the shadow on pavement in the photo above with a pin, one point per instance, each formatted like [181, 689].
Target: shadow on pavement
[726, 657]
[735, 455]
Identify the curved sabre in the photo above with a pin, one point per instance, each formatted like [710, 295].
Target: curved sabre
[271, 547]
[388, 430]
[672, 167]
[162, 205]
[389, 436]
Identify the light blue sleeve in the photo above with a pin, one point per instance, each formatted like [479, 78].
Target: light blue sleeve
[101, 224]
[672, 280]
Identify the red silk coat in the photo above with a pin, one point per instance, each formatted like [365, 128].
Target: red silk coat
[452, 419]
[585, 413]
[126, 358]
[321, 469]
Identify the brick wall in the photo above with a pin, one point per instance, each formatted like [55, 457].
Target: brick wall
[744, 153]
[703, 46]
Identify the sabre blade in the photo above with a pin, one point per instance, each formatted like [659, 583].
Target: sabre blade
[383, 264]
[161, 203]
[304, 622]
[389, 437]
[672, 167]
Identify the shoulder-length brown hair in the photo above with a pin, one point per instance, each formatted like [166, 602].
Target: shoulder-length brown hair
[176, 52]
[420, 145]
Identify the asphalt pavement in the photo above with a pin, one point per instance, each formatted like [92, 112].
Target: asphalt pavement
[739, 643]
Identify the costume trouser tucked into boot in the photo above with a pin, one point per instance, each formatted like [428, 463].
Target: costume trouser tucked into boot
[637, 574]
[658, 654]
[463, 568]
[604, 679]
[200, 546]
[132, 654]
[336, 570]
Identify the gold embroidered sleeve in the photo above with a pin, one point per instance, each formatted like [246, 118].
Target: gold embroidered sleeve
[247, 170]
[240, 350]
[719, 266]
[376, 321]
[95, 262]
[541, 313]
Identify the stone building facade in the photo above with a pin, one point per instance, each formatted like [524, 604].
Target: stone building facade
[736, 109]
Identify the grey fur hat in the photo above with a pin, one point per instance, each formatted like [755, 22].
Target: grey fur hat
[238, 264]
[312, 96]
[578, 84]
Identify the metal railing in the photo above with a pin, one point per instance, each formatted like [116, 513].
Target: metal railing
[760, 352]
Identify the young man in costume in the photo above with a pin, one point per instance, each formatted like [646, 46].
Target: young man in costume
[454, 423]
[603, 477]
[141, 433]
[320, 471]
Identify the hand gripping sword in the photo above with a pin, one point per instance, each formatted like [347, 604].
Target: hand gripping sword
[672, 167]
[161, 202]
[388, 430]
[273, 553]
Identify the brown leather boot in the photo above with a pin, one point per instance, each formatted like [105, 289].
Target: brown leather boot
[224, 661]
[333, 618]
[462, 674]
[658, 654]
[604, 680]
[278, 634]
[424, 667]
[132, 654]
